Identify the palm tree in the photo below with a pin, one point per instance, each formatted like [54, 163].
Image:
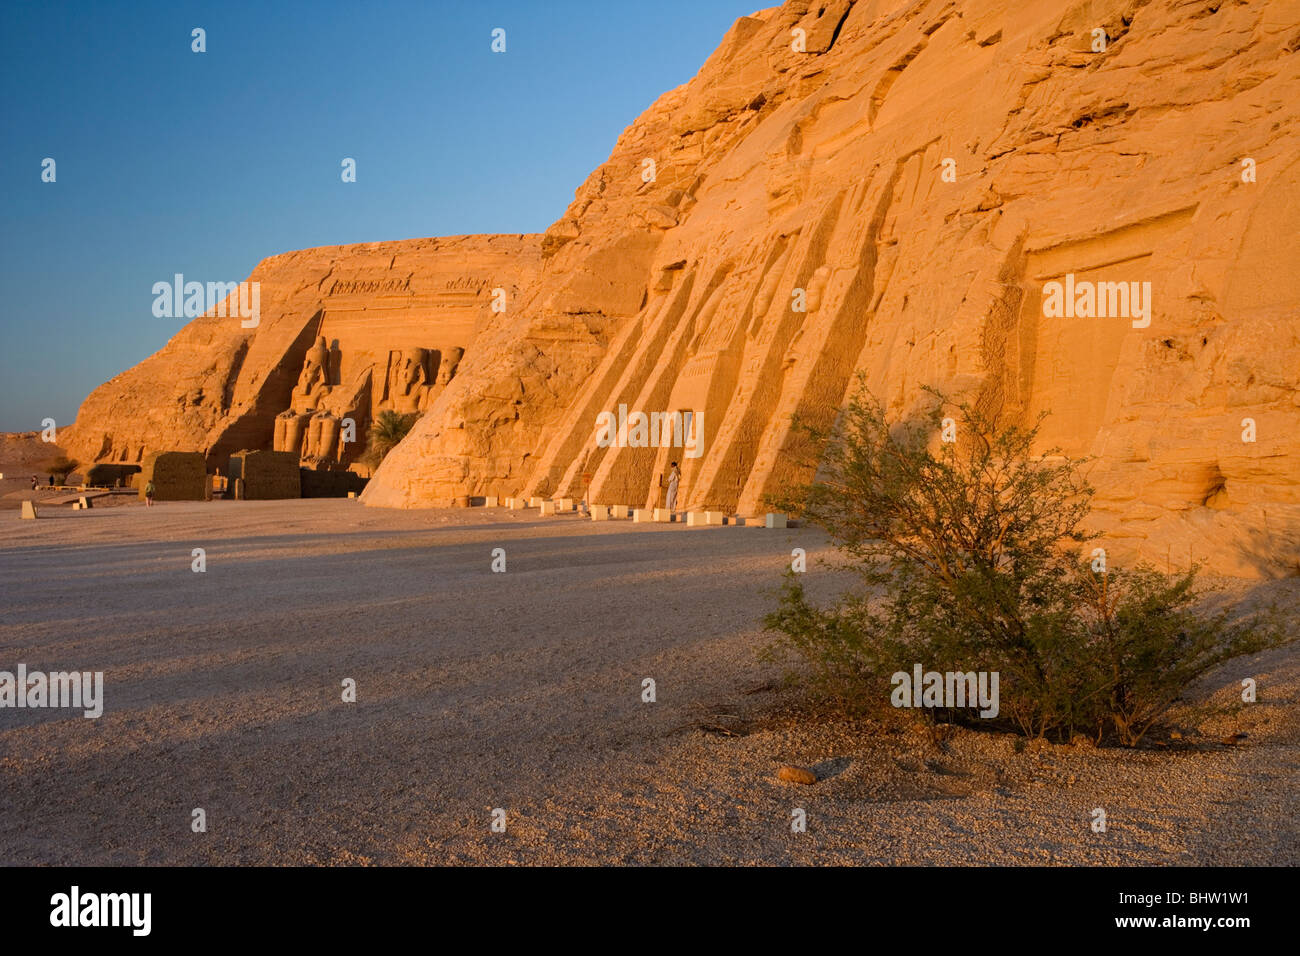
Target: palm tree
[386, 431]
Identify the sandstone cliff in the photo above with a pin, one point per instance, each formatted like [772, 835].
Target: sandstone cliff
[912, 175]
[824, 171]
[218, 387]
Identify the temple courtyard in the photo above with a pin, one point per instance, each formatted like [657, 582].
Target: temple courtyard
[520, 698]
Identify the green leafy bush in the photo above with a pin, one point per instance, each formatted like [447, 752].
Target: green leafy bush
[969, 555]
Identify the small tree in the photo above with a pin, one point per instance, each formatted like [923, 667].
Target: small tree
[968, 554]
[61, 467]
[386, 432]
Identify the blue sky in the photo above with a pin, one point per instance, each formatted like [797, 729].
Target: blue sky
[172, 161]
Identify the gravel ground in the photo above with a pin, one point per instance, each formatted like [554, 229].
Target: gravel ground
[522, 691]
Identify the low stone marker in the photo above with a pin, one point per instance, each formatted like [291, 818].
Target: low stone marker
[352, 494]
[695, 519]
[600, 512]
[534, 502]
[547, 507]
[516, 504]
[563, 505]
[83, 503]
[663, 514]
[619, 511]
[642, 514]
[491, 501]
[775, 520]
[29, 510]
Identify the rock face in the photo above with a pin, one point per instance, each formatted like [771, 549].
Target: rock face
[907, 190]
[344, 331]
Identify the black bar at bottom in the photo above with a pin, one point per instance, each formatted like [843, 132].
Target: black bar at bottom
[342, 905]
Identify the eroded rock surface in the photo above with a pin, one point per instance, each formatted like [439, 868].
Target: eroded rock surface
[343, 332]
[912, 176]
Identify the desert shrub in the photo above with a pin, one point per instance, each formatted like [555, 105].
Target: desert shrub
[970, 556]
[61, 467]
[386, 432]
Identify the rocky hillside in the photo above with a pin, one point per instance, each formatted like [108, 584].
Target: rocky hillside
[217, 386]
[909, 190]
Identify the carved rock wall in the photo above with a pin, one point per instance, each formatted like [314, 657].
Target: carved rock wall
[217, 388]
[823, 171]
[799, 229]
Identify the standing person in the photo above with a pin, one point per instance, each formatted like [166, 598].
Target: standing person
[674, 479]
[35, 482]
[51, 481]
[148, 495]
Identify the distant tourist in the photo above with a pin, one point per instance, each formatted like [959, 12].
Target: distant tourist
[35, 482]
[148, 495]
[674, 478]
[51, 481]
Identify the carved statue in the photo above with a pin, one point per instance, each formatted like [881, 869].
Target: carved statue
[313, 426]
[447, 367]
[413, 381]
[322, 437]
[289, 431]
[314, 380]
[321, 413]
[408, 381]
[391, 376]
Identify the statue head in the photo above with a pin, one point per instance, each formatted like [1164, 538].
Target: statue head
[319, 353]
[447, 367]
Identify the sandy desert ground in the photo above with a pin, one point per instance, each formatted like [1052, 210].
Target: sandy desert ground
[522, 690]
